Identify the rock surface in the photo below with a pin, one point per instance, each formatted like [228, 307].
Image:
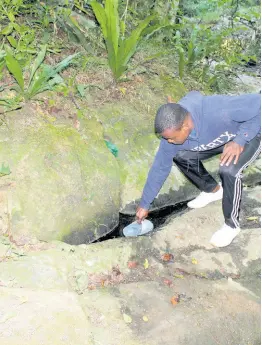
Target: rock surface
[120, 291]
[52, 192]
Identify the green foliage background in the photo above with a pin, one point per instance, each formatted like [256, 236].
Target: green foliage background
[207, 40]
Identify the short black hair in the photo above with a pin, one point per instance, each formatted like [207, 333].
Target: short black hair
[170, 115]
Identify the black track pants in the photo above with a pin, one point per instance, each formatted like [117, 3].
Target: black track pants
[190, 163]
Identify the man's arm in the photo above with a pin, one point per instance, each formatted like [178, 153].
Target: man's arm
[247, 111]
[158, 173]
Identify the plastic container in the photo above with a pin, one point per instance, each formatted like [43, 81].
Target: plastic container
[135, 229]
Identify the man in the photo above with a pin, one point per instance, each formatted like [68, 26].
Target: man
[197, 128]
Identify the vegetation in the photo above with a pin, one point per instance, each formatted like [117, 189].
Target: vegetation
[205, 40]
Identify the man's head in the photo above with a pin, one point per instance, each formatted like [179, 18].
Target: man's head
[173, 123]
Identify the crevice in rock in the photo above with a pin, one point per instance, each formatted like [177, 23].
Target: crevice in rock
[158, 218]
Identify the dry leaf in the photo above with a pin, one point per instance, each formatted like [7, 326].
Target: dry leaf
[179, 276]
[132, 264]
[146, 264]
[168, 282]
[145, 318]
[252, 218]
[175, 300]
[167, 257]
[127, 318]
[194, 261]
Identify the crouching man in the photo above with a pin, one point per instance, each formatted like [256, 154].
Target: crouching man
[197, 128]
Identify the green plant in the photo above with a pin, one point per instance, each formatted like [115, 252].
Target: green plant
[4, 170]
[42, 77]
[119, 48]
[17, 31]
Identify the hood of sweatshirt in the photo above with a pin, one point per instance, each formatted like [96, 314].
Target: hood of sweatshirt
[193, 103]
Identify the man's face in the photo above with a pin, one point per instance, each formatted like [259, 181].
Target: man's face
[176, 136]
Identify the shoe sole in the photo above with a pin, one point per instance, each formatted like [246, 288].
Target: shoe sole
[203, 205]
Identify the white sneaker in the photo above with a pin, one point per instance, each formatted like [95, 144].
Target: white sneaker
[224, 236]
[204, 198]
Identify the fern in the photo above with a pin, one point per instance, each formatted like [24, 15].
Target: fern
[42, 77]
[119, 50]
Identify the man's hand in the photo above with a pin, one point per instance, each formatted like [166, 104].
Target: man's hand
[231, 150]
[141, 214]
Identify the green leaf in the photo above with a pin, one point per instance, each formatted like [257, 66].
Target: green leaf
[112, 147]
[2, 54]
[7, 30]
[40, 82]
[11, 16]
[128, 47]
[100, 16]
[113, 27]
[122, 27]
[12, 41]
[17, 27]
[57, 79]
[190, 52]
[4, 170]
[15, 69]
[74, 21]
[152, 29]
[38, 60]
[81, 88]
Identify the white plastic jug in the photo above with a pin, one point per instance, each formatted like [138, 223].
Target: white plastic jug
[135, 229]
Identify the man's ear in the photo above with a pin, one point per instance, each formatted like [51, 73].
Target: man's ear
[185, 124]
[170, 100]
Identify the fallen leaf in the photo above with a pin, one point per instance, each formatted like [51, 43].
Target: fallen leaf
[132, 264]
[23, 300]
[179, 276]
[145, 318]
[252, 218]
[122, 90]
[194, 261]
[127, 318]
[146, 264]
[175, 300]
[167, 257]
[168, 282]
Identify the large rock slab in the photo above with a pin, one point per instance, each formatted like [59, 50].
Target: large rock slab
[42, 317]
[64, 183]
[119, 291]
[208, 313]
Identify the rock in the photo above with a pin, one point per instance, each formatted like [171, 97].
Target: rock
[208, 313]
[67, 294]
[42, 317]
[64, 184]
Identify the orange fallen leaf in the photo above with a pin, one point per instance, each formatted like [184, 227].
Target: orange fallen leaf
[167, 257]
[132, 264]
[175, 300]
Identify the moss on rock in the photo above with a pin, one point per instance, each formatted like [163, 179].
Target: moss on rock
[64, 183]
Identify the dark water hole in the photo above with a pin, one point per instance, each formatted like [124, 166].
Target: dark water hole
[158, 218]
